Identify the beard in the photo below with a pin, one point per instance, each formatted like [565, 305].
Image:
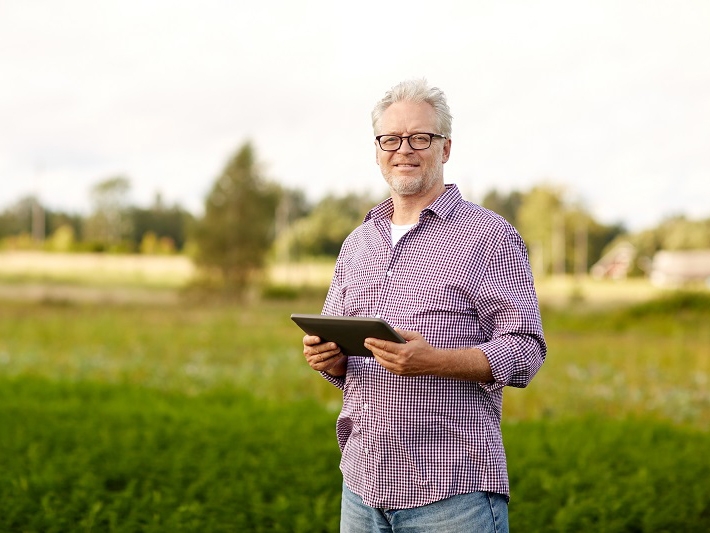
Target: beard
[413, 185]
[432, 174]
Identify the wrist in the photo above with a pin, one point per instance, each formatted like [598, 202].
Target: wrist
[339, 369]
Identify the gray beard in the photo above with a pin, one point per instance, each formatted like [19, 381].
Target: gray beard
[411, 186]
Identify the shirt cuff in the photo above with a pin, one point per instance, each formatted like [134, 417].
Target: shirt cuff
[337, 381]
[507, 359]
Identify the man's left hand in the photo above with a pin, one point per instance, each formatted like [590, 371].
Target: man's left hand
[415, 358]
[419, 358]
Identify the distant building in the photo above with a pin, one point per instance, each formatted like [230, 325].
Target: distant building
[616, 263]
[672, 269]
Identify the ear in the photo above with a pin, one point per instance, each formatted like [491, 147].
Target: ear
[446, 151]
[377, 153]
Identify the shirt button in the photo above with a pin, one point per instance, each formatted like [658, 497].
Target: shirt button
[365, 407]
[389, 273]
[365, 451]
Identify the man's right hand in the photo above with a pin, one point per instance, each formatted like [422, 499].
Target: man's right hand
[324, 356]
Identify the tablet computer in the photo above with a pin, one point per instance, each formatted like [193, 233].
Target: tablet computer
[348, 332]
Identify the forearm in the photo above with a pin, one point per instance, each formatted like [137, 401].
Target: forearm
[466, 364]
[417, 357]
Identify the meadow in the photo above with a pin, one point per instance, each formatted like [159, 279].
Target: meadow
[197, 416]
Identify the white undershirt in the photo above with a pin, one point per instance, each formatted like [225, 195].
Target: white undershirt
[398, 231]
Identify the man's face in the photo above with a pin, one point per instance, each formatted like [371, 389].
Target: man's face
[411, 172]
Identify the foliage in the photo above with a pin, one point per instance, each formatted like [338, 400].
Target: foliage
[540, 216]
[109, 225]
[322, 231]
[506, 205]
[146, 460]
[680, 233]
[17, 223]
[624, 362]
[17, 218]
[62, 240]
[142, 460]
[100, 231]
[595, 474]
[560, 237]
[237, 229]
[206, 418]
[675, 304]
[598, 237]
[161, 223]
[152, 245]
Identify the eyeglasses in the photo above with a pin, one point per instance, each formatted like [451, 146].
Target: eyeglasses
[418, 141]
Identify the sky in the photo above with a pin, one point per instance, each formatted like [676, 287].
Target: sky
[609, 100]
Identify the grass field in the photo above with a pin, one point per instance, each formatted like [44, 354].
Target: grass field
[134, 416]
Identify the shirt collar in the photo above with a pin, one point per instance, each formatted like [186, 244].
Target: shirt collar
[441, 207]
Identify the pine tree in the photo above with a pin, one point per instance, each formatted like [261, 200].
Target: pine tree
[237, 229]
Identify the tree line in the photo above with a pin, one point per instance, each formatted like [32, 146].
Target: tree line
[249, 220]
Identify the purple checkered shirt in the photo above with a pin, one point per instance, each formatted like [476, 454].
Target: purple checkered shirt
[461, 278]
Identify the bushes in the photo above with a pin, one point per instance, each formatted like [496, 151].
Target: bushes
[594, 474]
[89, 457]
[116, 458]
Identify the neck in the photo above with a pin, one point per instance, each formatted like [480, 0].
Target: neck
[408, 208]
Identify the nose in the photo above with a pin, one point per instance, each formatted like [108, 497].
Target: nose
[405, 146]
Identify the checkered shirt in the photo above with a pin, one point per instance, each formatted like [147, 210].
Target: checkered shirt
[461, 278]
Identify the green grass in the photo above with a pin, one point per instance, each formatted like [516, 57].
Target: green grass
[206, 418]
[191, 348]
[651, 359]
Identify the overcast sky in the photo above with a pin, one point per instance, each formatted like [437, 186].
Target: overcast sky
[609, 99]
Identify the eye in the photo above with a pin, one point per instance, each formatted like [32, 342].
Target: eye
[389, 140]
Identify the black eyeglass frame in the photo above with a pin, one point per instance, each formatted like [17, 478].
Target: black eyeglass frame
[401, 138]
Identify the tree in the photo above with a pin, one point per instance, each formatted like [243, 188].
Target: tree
[161, 222]
[17, 219]
[237, 228]
[541, 223]
[109, 223]
[506, 206]
[680, 233]
[561, 238]
[323, 231]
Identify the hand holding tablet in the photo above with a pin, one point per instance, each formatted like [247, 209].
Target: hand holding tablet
[347, 332]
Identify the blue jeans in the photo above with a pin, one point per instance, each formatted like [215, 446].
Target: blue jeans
[479, 512]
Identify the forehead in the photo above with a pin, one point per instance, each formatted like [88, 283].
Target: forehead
[403, 117]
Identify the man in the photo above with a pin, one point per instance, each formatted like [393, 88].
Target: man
[419, 429]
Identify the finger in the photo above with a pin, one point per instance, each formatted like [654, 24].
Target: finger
[311, 340]
[321, 353]
[381, 346]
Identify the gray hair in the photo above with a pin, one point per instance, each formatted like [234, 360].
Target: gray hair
[416, 91]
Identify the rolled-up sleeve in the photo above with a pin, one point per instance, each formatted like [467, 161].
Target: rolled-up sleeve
[509, 313]
[333, 306]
